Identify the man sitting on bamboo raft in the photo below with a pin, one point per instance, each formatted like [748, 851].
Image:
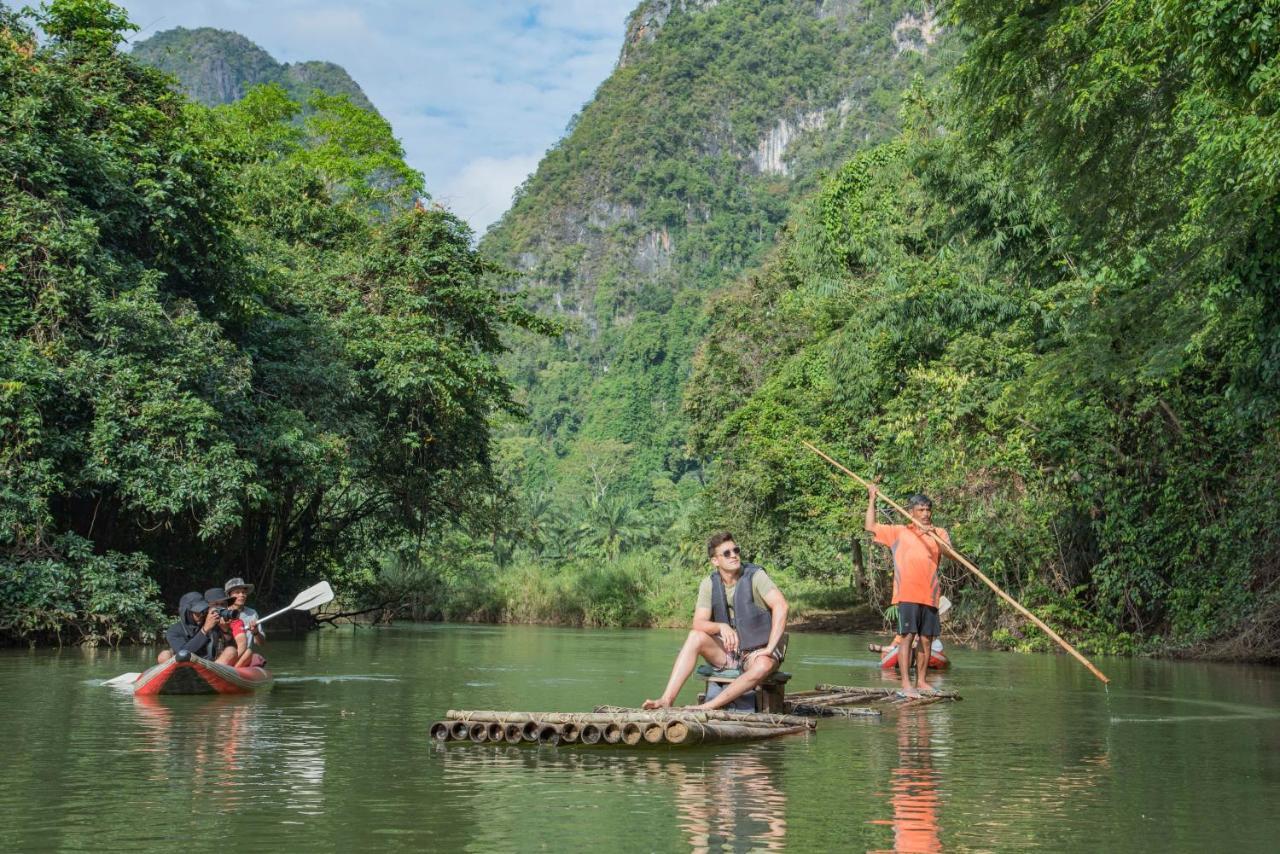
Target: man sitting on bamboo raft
[739, 621]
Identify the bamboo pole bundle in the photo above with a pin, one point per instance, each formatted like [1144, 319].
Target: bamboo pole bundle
[766, 718]
[514, 733]
[440, 730]
[549, 734]
[632, 733]
[611, 732]
[653, 732]
[496, 732]
[479, 732]
[460, 730]
[831, 710]
[570, 732]
[880, 692]
[610, 714]
[530, 729]
[590, 734]
[714, 732]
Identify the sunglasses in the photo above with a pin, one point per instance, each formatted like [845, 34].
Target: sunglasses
[733, 552]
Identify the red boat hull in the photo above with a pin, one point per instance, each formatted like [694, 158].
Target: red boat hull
[198, 676]
[937, 660]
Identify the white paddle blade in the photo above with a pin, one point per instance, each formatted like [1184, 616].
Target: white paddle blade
[122, 679]
[312, 597]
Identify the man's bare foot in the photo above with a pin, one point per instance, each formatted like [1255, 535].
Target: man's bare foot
[660, 703]
[910, 693]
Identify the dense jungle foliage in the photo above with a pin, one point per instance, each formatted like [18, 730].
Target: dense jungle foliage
[232, 343]
[1053, 304]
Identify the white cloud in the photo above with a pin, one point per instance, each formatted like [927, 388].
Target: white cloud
[482, 190]
[471, 89]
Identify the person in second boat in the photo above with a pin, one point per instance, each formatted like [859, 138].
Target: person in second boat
[739, 622]
[944, 604]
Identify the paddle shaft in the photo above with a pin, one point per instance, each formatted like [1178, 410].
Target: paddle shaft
[960, 559]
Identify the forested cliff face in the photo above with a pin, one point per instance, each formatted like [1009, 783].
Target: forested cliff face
[216, 67]
[674, 178]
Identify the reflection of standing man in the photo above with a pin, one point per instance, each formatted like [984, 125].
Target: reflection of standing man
[914, 786]
[739, 621]
[916, 587]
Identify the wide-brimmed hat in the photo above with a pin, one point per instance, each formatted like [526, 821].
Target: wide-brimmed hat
[237, 582]
[214, 595]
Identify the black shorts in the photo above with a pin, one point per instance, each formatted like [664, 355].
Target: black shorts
[916, 619]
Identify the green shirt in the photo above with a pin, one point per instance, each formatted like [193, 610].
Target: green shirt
[761, 586]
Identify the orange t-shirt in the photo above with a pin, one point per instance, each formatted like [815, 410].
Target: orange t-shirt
[915, 562]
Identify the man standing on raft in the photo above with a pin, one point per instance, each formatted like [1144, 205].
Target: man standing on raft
[916, 587]
[739, 621]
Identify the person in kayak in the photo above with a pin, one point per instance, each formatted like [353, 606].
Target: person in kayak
[891, 613]
[916, 587]
[197, 630]
[244, 628]
[739, 622]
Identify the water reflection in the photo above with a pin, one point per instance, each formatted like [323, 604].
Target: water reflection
[722, 801]
[730, 803]
[222, 747]
[913, 787]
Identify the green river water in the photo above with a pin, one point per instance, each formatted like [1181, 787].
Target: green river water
[1175, 756]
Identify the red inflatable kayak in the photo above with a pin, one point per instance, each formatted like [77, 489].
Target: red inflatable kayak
[196, 675]
[937, 660]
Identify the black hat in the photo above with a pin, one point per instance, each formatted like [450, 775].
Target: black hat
[216, 595]
[233, 583]
[197, 606]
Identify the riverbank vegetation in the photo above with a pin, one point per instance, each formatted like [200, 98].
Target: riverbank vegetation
[232, 343]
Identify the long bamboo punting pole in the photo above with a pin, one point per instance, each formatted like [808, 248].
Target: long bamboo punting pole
[959, 558]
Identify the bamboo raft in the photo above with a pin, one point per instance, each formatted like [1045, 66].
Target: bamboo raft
[615, 725]
[852, 701]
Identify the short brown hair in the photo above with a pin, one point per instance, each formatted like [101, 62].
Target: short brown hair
[716, 541]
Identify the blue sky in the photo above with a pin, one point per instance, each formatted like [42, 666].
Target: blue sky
[476, 90]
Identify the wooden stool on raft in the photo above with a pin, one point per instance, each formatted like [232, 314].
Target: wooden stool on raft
[768, 696]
